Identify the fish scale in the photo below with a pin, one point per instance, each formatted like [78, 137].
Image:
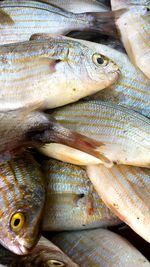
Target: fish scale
[116, 127]
[72, 203]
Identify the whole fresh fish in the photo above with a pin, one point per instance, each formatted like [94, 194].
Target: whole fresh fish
[72, 203]
[45, 254]
[21, 19]
[100, 247]
[124, 134]
[125, 190]
[22, 188]
[43, 70]
[134, 27]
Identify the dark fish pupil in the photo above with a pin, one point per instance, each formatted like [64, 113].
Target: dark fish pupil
[100, 60]
[16, 222]
[148, 9]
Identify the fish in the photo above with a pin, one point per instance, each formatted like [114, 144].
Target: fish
[134, 28]
[99, 247]
[21, 19]
[124, 134]
[80, 6]
[72, 203]
[45, 254]
[23, 192]
[125, 190]
[50, 68]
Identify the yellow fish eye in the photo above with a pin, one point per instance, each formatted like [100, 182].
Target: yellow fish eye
[99, 60]
[53, 263]
[17, 221]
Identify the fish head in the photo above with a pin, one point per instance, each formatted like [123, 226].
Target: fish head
[22, 202]
[96, 70]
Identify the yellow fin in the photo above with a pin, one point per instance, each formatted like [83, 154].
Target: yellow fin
[5, 18]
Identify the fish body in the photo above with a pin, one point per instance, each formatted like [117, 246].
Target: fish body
[22, 201]
[134, 27]
[72, 203]
[45, 254]
[125, 190]
[21, 19]
[94, 248]
[123, 134]
[50, 68]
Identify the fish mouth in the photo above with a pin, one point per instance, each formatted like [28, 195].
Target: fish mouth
[23, 247]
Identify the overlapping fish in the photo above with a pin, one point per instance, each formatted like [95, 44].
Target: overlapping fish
[134, 27]
[54, 72]
[45, 254]
[72, 203]
[23, 191]
[21, 19]
[100, 247]
[124, 134]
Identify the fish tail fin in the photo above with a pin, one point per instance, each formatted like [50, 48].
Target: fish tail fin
[104, 22]
[56, 133]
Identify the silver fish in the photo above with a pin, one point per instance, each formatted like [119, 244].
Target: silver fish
[100, 247]
[124, 134]
[21, 19]
[125, 190]
[23, 191]
[43, 67]
[45, 254]
[72, 203]
[134, 27]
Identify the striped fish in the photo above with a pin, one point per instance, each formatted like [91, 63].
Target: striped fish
[100, 248]
[36, 71]
[134, 27]
[20, 19]
[72, 203]
[132, 89]
[126, 191]
[22, 188]
[45, 254]
[124, 134]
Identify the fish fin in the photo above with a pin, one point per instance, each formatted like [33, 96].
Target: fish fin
[5, 18]
[56, 133]
[41, 36]
[104, 22]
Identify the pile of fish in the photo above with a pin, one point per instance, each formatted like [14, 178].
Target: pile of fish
[71, 169]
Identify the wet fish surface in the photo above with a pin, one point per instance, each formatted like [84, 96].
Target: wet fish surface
[123, 134]
[21, 19]
[134, 27]
[45, 254]
[125, 190]
[72, 203]
[100, 248]
[23, 192]
[50, 68]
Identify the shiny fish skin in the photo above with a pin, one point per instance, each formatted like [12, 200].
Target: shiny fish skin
[134, 27]
[43, 67]
[45, 254]
[72, 203]
[124, 134]
[100, 248]
[78, 6]
[23, 191]
[29, 17]
[125, 190]
[132, 89]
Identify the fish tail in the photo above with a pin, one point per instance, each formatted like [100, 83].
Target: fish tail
[56, 133]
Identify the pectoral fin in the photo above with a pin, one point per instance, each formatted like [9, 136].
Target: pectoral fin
[5, 18]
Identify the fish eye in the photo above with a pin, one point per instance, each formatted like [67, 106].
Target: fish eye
[53, 263]
[17, 221]
[99, 60]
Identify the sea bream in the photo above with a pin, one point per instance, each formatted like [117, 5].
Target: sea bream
[21, 19]
[134, 27]
[54, 72]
